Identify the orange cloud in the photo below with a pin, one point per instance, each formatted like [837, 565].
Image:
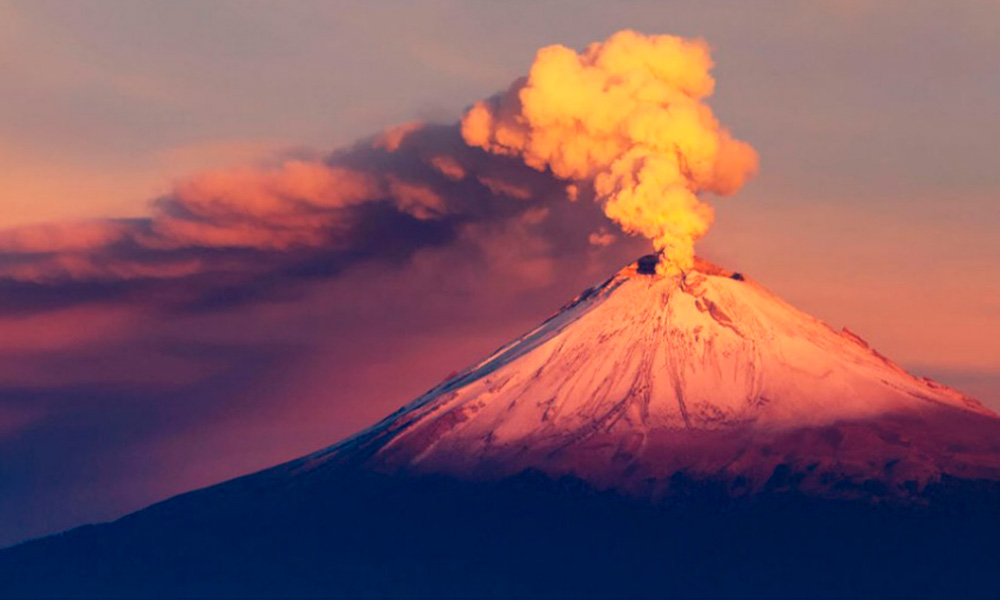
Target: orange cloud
[273, 193]
[393, 138]
[448, 167]
[601, 237]
[416, 199]
[60, 237]
[260, 208]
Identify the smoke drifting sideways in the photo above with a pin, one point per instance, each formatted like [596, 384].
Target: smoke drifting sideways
[246, 234]
[625, 118]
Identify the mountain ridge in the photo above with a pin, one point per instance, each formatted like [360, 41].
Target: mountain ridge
[739, 370]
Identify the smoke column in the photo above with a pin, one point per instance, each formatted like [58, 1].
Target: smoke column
[627, 119]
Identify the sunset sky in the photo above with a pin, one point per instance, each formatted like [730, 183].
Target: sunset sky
[139, 371]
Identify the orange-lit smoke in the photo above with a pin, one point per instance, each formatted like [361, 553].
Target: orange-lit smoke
[628, 117]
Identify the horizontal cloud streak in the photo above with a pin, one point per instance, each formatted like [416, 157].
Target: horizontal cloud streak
[239, 234]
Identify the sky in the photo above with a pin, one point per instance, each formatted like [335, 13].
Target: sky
[157, 358]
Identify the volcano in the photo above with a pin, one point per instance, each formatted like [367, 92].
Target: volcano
[660, 435]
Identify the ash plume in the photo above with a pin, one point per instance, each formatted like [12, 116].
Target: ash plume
[628, 118]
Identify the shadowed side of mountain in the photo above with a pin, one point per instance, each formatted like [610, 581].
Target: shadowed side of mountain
[348, 533]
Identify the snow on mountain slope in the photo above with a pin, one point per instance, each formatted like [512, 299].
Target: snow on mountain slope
[709, 375]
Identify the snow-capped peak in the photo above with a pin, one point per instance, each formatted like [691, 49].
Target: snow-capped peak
[705, 373]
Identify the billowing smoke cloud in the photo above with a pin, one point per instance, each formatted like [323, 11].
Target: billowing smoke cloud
[627, 117]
